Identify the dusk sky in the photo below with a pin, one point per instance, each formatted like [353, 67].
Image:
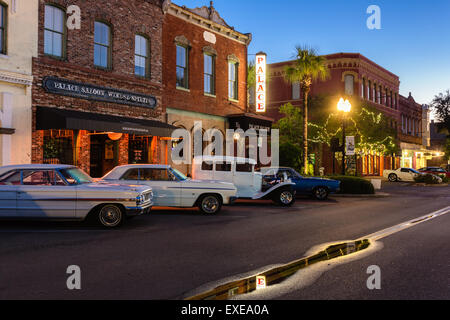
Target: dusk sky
[414, 42]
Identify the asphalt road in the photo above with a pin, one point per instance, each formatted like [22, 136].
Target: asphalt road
[169, 253]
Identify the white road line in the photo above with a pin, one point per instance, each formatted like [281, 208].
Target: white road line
[405, 225]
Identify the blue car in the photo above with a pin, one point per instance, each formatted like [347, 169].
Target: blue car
[319, 188]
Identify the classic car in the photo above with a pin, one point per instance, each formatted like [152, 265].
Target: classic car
[171, 188]
[441, 172]
[401, 174]
[241, 172]
[66, 192]
[319, 188]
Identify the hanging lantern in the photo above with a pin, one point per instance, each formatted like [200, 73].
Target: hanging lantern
[115, 136]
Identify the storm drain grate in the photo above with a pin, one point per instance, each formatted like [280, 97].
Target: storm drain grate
[279, 274]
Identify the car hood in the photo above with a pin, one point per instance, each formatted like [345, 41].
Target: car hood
[319, 179]
[115, 187]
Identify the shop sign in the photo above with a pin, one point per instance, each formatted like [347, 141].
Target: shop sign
[97, 93]
[260, 82]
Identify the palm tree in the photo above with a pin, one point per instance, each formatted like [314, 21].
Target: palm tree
[307, 68]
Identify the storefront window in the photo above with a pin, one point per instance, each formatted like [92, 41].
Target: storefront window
[138, 149]
[58, 147]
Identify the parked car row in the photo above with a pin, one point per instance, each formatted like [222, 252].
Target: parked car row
[66, 192]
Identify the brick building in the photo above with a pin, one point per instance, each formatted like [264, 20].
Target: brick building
[354, 76]
[97, 91]
[205, 72]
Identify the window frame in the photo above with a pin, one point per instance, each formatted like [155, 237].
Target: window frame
[236, 81]
[212, 75]
[110, 37]
[147, 58]
[63, 34]
[186, 68]
[4, 28]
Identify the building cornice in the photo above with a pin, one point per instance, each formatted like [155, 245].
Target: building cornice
[16, 78]
[209, 25]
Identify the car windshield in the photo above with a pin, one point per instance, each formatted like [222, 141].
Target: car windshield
[76, 176]
[179, 175]
[414, 171]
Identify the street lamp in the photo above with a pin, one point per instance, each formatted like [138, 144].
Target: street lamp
[344, 106]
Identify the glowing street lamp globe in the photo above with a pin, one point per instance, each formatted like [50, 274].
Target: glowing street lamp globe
[344, 106]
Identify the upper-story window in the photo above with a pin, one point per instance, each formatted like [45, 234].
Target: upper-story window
[102, 45]
[141, 56]
[3, 21]
[296, 90]
[54, 29]
[209, 73]
[233, 68]
[182, 67]
[349, 84]
[386, 98]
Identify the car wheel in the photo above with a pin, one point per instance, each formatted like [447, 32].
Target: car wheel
[210, 204]
[110, 216]
[285, 198]
[321, 193]
[393, 177]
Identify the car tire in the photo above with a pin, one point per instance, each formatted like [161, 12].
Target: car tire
[111, 216]
[284, 197]
[210, 204]
[393, 177]
[321, 193]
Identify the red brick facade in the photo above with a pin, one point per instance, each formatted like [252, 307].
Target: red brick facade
[367, 76]
[126, 18]
[179, 24]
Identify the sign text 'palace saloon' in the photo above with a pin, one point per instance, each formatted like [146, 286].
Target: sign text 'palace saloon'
[260, 82]
[92, 92]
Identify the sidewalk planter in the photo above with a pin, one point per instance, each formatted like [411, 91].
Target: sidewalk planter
[376, 183]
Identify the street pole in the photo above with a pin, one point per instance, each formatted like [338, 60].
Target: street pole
[343, 145]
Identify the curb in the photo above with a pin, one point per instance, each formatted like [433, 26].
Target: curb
[376, 195]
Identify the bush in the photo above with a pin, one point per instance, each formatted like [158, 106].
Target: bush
[427, 179]
[354, 185]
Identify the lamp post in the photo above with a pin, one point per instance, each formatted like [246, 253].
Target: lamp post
[344, 106]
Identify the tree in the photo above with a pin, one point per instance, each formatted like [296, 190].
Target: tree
[441, 105]
[307, 68]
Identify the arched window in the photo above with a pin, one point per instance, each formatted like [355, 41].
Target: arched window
[349, 84]
[54, 31]
[141, 56]
[102, 45]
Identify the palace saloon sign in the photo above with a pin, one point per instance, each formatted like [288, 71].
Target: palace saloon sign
[97, 93]
[260, 82]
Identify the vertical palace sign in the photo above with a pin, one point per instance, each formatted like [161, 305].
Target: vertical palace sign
[260, 93]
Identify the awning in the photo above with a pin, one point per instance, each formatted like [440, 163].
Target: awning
[61, 119]
[247, 121]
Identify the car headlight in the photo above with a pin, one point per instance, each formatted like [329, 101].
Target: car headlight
[140, 199]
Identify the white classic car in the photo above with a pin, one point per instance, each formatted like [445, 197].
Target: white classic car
[241, 172]
[171, 188]
[401, 174]
[66, 192]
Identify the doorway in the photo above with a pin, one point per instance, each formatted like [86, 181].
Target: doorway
[104, 155]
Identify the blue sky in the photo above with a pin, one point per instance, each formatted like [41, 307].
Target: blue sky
[414, 41]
